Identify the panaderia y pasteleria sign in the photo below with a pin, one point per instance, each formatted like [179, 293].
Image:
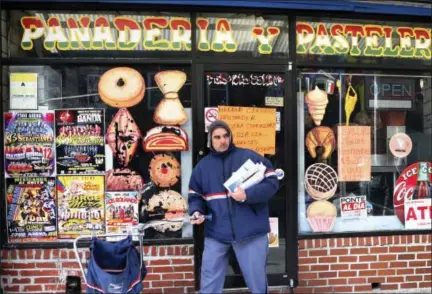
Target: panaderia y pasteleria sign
[90, 32]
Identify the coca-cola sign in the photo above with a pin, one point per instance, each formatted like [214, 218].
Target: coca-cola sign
[406, 185]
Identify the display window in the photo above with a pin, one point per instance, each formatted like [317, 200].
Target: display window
[95, 149]
[365, 140]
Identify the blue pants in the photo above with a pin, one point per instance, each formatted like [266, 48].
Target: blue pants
[251, 255]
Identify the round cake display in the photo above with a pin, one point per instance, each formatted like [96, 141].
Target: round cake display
[164, 170]
[321, 181]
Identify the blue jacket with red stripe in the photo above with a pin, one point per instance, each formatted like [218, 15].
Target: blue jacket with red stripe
[231, 220]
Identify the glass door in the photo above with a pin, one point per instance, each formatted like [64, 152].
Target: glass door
[249, 86]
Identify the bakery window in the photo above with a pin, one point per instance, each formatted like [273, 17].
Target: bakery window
[96, 149]
[366, 142]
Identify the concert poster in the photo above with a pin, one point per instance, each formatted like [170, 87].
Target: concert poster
[81, 205]
[29, 144]
[80, 145]
[31, 209]
[121, 211]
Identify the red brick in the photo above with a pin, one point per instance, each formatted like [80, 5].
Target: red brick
[38, 254]
[383, 240]
[327, 274]
[321, 267]
[361, 288]
[25, 265]
[160, 262]
[5, 272]
[406, 256]
[418, 263]
[347, 258]
[408, 285]
[318, 253]
[337, 281]
[397, 279]
[64, 254]
[303, 268]
[405, 271]
[322, 282]
[387, 272]
[397, 249]
[70, 264]
[389, 286]
[347, 274]
[416, 248]
[414, 278]
[367, 273]
[13, 254]
[303, 290]
[184, 283]
[303, 253]
[424, 270]
[359, 266]
[6, 265]
[339, 266]
[59, 288]
[307, 276]
[399, 264]
[184, 268]
[181, 261]
[172, 277]
[374, 250]
[21, 281]
[387, 257]
[45, 280]
[162, 283]
[329, 259]
[359, 250]
[173, 290]
[308, 260]
[338, 251]
[21, 254]
[55, 253]
[302, 244]
[376, 280]
[49, 264]
[368, 258]
[377, 265]
[162, 269]
[357, 281]
[424, 284]
[153, 277]
[11, 288]
[162, 251]
[4, 254]
[342, 289]
[30, 288]
[427, 256]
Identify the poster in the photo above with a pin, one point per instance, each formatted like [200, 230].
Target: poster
[31, 209]
[29, 144]
[412, 196]
[354, 153]
[274, 232]
[80, 143]
[353, 207]
[121, 211]
[252, 127]
[81, 205]
[23, 91]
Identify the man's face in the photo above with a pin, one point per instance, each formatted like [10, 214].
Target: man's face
[220, 140]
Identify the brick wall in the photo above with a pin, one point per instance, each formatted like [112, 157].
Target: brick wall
[170, 269]
[353, 264]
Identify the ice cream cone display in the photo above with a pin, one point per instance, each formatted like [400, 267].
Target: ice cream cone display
[350, 102]
[317, 101]
[321, 216]
[170, 111]
[321, 181]
[121, 87]
[321, 136]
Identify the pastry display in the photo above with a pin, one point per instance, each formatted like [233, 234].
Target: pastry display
[321, 216]
[164, 170]
[166, 138]
[321, 136]
[321, 181]
[121, 87]
[350, 102]
[167, 205]
[123, 180]
[122, 136]
[317, 101]
[170, 111]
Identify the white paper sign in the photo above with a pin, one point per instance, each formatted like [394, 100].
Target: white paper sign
[210, 115]
[418, 214]
[23, 91]
[278, 123]
[353, 207]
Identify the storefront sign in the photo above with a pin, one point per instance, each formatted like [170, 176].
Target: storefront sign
[353, 207]
[240, 79]
[252, 127]
[390, 92]
[363, 40]
[354, 153]
[23, 91]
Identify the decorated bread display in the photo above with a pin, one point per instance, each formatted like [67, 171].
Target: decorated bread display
[168, 205]
[321, 216]
[170, 111]
[166, 138]
[321, 181]
[122, 136]
[321, 136]
[317, 101]
[121, 87]
[164, 170]
[123, 180]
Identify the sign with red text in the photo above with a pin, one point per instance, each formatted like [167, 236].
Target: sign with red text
[353, 207]
[409, 190]
[418, 214]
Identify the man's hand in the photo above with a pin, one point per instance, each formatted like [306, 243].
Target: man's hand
[239, 194]
[197, 218]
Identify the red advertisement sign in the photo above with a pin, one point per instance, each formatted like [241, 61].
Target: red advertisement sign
[413, 183]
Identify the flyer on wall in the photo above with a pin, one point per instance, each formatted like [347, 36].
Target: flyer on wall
[121, 212]
[29, 144]
[81, 206]
[80, 141]
[31, 209]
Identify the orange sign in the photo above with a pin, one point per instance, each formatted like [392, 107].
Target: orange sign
[354, 153]
[252, 127]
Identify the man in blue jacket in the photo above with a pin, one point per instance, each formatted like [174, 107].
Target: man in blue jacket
[239, 220]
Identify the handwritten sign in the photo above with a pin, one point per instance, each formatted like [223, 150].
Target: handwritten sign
[252, 127]
[354, 153]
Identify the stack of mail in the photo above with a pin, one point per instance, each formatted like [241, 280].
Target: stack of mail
[246, 176]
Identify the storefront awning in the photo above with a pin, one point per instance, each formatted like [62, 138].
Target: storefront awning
[418, 8]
